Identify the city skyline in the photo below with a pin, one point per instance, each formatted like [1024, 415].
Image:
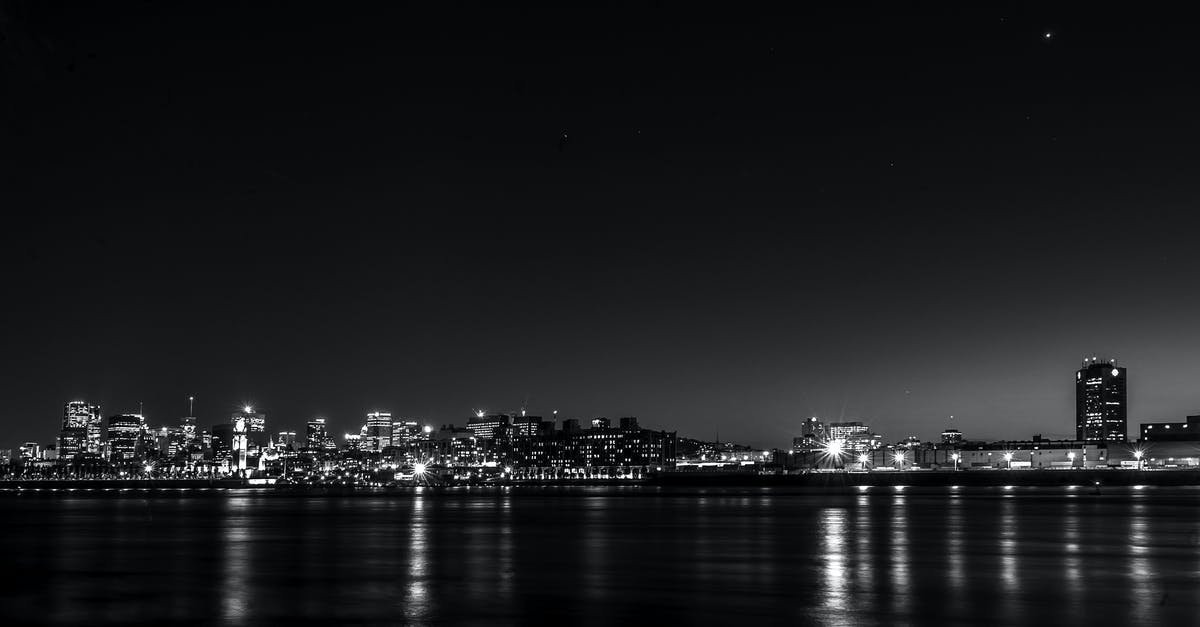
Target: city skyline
[378, 417]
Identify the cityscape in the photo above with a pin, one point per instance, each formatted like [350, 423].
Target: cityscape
[390, 450]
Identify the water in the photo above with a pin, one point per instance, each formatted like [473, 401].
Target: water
[606, 556]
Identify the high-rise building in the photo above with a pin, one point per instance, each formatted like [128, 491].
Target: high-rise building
[488, 426]
[952, 436]
[316, 436]
[83, 415]
[405, 431]
[187, 424]
[286, 440]
[378, 435]
[1100, 401]
[256, 425]
[124, 434]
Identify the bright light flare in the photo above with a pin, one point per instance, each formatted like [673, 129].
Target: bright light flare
[864, 458]
[1138, 454]
[835, 448]
[1008, 457]
[248, 409]
[419, 468]
[899, 457]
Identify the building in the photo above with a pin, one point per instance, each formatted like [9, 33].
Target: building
[488, 426]
[256, 425]
[952, 436]
[856, 436]
[83, 415]
[316, 436]
[528, 425]
[222, 442]
[187, 424]
[1186, 431]
[30, 451]
[405, 431]
[600, 450]
[1100, 401]
[124, 435]
[286, 440]
[378, 434]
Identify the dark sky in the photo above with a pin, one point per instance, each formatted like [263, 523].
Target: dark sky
[712, 220]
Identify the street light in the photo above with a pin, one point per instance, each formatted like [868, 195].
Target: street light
[1008, 458]
[834, 450]
[956, 457]
[1138, 456]
[863, 458]
[899, 457]
[1071, 458]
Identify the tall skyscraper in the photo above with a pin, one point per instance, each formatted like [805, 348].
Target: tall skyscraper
[256, 425]
[85, 417]
[187, 425]
[1100, 401]
[378, 435]
[316, 436]
[124, 433]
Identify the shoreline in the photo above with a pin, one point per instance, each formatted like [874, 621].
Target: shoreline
[834, 481]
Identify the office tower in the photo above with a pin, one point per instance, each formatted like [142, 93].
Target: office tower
[187, 425]
[405, 431]
[30, 451]
[315, 435]
[526, 425]
[488, 426]
[378, 434]
[222, 442]
[601, 423]
[124, 436]
[83, 415]
[1100, 401]
[255, 423]
[286, 440]
[241, 440]
[856, 436]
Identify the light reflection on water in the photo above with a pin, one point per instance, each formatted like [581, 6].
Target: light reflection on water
[568, 556]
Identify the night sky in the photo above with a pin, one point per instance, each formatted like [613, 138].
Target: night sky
[715, 221]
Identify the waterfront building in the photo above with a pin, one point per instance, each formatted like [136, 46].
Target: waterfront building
[1100, 401]
[601, 447]
[1186, 431]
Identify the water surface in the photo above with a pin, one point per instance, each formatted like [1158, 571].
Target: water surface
[606, 556]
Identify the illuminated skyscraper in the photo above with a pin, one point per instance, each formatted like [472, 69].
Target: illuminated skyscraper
[256, 425]
[378, 434]
[86, 417]
[124, 433]
[316, 437]
[1100, 401]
